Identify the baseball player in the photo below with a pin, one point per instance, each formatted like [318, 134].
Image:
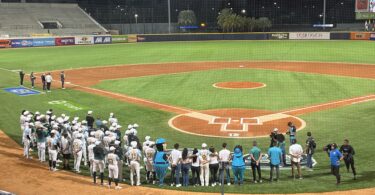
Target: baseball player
[112, 119]
[52, 151]
[120, 153]
[84, 145]
[66, 150]
[149, 152]
[91, 142]
[204, 158]
[113, 168]
[99, 153]
[26, 139]
[90, 119]
[77, 152]
[134, 156]
[41, 135]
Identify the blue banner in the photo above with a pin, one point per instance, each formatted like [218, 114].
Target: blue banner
[102, 39]
[39, 42]
[21, 42]
[21, 91]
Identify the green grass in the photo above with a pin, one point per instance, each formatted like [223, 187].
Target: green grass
[284, 90]
[54, 58]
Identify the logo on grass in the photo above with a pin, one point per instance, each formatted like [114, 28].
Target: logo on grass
[65, 105]
[21, 91]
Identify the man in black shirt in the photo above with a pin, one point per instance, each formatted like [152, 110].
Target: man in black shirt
[43, 78]
[22, 75]
[62, 78]
[348, 152]
[90, 120]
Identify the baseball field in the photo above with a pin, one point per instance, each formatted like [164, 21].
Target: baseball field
[213, 92]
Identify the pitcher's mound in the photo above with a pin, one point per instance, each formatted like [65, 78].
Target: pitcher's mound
[239, 85]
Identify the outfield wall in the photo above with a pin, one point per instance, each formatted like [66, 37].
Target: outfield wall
[108, 39]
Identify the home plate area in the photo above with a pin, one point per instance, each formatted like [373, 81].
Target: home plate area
[234, 123]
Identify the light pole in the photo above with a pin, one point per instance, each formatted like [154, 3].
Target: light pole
[136, 23]
[324, 12]
[169, 16]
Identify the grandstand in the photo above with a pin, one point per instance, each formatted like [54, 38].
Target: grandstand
[27, 19]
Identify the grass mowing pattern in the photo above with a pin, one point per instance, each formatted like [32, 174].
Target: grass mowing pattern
[56, 58]
[284, 90]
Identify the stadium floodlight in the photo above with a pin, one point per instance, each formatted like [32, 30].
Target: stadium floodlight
[243, 11]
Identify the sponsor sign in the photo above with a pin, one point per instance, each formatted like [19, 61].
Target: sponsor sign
[361, 5]
[84, 40]
[102, 40]
[21, 91]
[120, 39]
[360, 36]
[64, 41]
[279, 36]
[372, 36]
[5, 43]
[309, 35]
[22, 42]
[43, 42]
[141, 38]
[132, 38]
[65, 105]
[364, 15]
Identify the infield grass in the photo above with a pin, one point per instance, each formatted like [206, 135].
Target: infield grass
[56, 58]
[284, 90]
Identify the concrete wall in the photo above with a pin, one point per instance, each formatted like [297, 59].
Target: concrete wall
[142, 28]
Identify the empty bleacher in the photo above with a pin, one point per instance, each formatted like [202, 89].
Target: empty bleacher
[26, 19]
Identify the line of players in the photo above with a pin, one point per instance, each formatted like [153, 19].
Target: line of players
[101, 148]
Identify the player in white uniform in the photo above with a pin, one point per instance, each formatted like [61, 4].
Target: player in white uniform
[84, 145]
[26, 139]
[52, 151]
[91, 142]
[204, 158]
[149, 161]
[134, 155]
[113, 168]
[77, 152]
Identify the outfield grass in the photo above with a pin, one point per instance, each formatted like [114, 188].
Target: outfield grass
[55, 58]
[284, 90]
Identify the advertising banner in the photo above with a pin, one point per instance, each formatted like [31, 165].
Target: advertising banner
[279, 36]
[309, 35]
[364, 15]
[120, 39]
[22, 42]
[132, 38]
[361, 5]
[84, 40]
[372, 36]
[64, 41]
[102, 39]
[359, 36]
[5, 43]
[43, 42]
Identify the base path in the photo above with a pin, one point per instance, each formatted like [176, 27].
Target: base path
[29, 177]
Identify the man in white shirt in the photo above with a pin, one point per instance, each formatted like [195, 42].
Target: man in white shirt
[296, 151]
[176, 157]
[204, 158]
[224, 158]
[48, 81]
